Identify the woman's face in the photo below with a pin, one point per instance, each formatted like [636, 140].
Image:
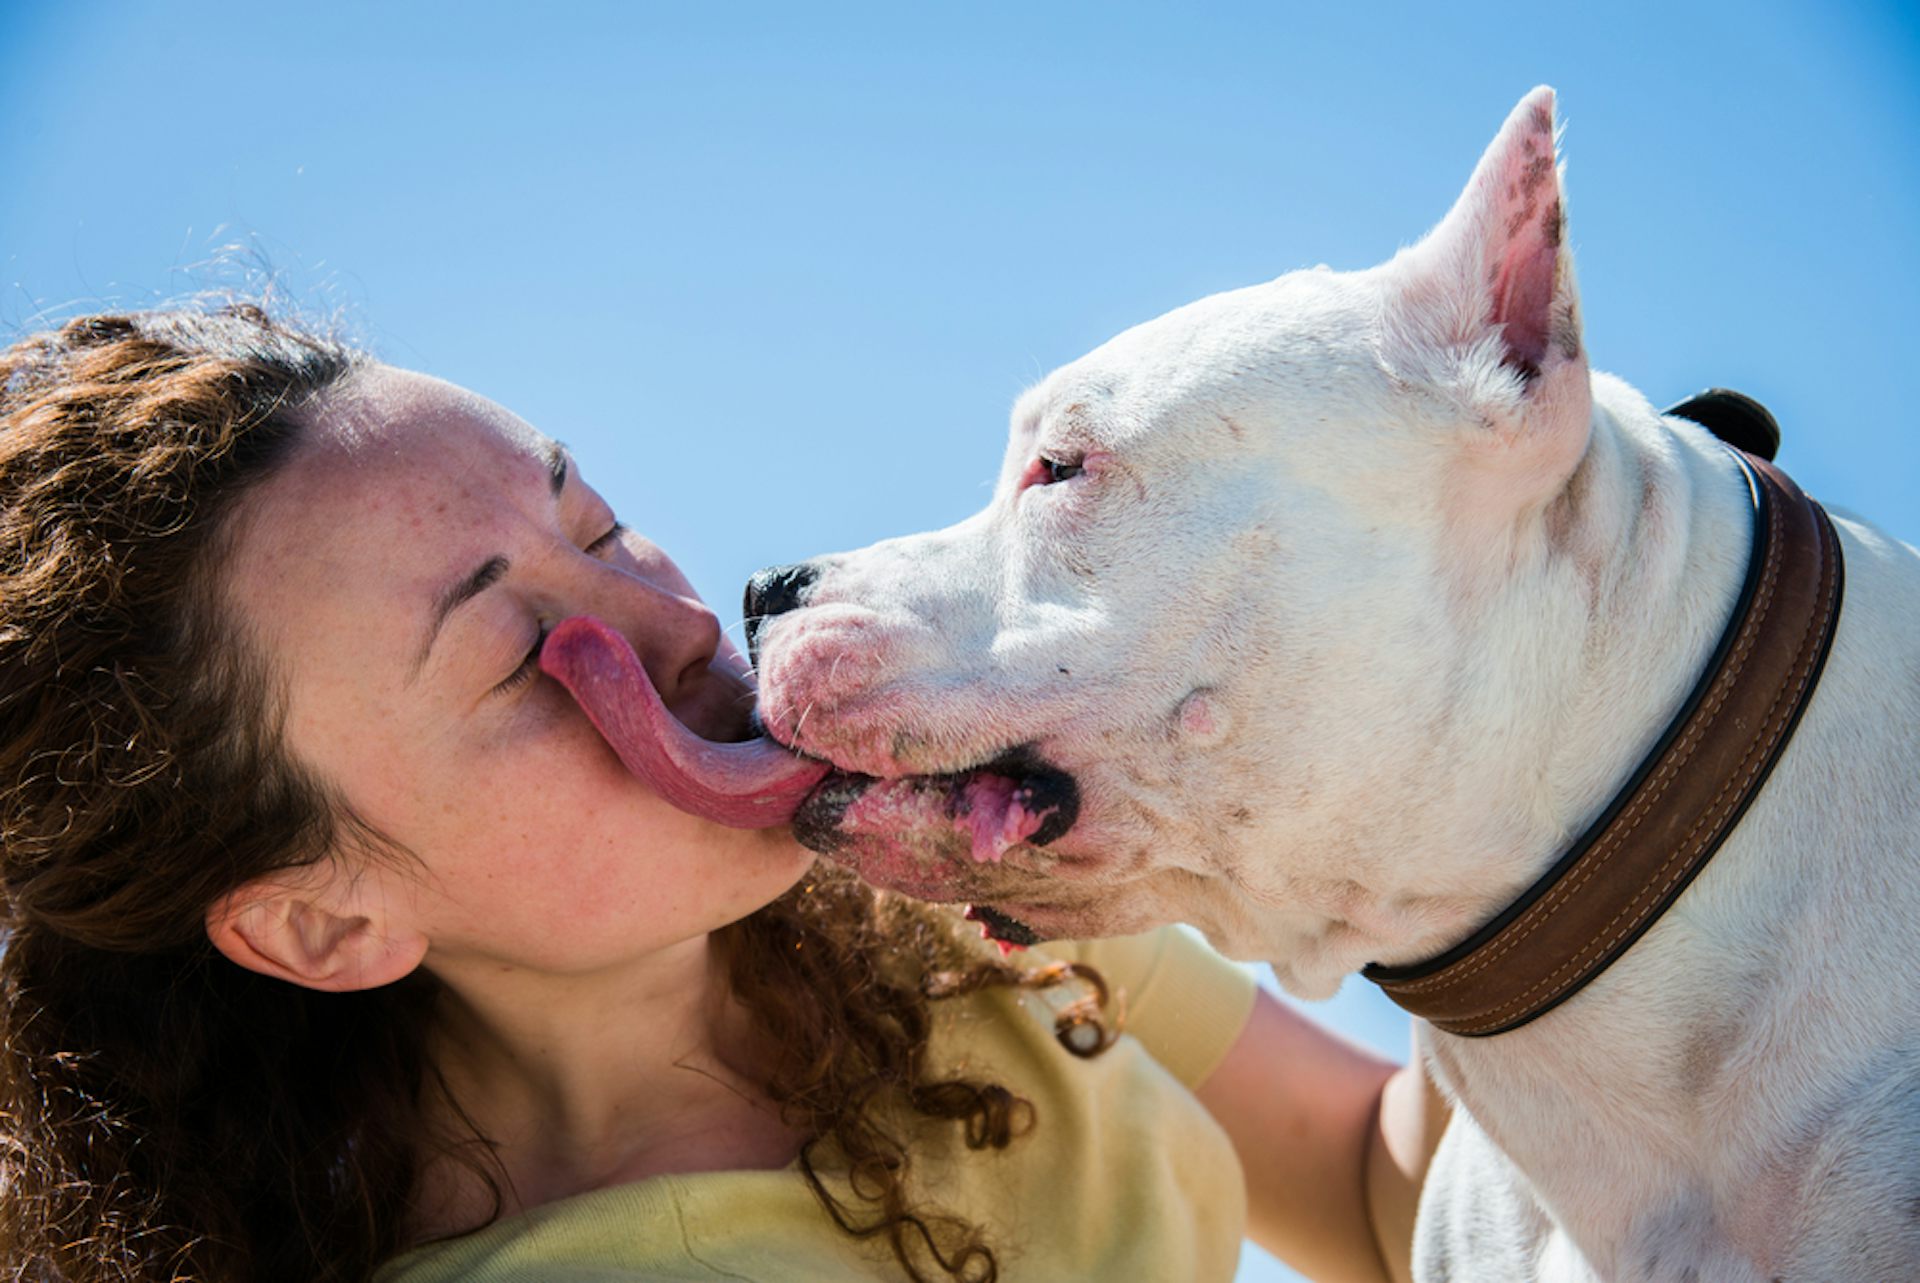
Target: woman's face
[398, 574]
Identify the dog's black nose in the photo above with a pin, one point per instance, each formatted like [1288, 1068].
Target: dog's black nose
[771, 592]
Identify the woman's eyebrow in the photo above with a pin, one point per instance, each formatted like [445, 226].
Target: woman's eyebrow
[559, 462]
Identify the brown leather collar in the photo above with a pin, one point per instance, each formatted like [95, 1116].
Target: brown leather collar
[1679, 806]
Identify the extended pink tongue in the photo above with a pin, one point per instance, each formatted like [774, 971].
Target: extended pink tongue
[754, 785]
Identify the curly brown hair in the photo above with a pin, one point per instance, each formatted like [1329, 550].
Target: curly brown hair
[166, 1115]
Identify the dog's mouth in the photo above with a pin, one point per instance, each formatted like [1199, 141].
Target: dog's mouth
[945, 837]
[937, 837]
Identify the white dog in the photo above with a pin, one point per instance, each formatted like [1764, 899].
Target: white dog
[1325, 615]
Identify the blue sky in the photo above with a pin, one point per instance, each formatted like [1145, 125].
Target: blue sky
[777, 271]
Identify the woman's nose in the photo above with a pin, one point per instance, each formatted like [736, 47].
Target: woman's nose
[674, 634]
[773, 591]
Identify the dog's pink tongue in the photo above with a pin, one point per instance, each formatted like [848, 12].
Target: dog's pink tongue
[996, 816]
[754, 785]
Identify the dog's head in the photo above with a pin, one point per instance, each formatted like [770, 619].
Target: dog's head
[1197, 657]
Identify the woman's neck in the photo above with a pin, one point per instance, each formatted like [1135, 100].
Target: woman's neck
[580, 1082]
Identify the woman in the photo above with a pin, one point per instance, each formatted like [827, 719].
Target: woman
[338, 942]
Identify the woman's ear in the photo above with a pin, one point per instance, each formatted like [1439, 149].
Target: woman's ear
[319, 926]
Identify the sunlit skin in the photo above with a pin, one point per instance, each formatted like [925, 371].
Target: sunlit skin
[567, 908]
[547, 887]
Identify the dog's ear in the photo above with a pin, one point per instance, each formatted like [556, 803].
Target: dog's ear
[1486, 308]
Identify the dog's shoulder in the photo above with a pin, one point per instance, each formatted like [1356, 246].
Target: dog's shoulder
[1478, 1219]
[1857, 1202]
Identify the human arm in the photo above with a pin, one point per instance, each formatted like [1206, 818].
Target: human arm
[1335, 1142]
[1413, 1117]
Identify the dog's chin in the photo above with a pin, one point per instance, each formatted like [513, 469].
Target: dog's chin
[976, 836]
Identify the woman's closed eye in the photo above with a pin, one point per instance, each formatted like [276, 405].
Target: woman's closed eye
[530, 664]
[608, 540]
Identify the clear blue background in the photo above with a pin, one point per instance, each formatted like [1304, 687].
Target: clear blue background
[777, 272]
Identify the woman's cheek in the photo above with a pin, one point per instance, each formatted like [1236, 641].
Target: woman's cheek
[542, 714]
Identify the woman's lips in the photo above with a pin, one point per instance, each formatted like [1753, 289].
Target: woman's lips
[752, 785]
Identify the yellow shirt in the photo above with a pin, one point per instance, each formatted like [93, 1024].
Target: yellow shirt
[1125, 1176]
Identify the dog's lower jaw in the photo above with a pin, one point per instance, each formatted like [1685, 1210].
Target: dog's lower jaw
[1315, 936]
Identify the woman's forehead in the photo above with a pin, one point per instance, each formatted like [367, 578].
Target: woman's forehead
[382, 410]
[401, 480]
[404, 485]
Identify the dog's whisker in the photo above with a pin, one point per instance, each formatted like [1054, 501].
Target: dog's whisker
[801, 721]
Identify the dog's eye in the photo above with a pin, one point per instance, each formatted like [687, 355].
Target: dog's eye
[1046, 472]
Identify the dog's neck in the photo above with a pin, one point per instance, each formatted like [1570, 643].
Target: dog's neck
[1655, 533]
[1577, 641]
[1581, 638]
[1645, 548]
